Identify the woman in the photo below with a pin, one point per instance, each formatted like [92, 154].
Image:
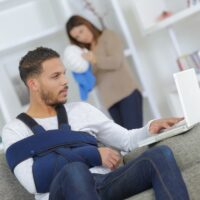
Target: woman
[114, 80]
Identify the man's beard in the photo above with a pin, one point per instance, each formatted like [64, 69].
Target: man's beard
[49, 99]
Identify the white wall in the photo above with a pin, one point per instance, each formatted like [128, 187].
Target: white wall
[24, 27]
[28, 24]
[24, 21]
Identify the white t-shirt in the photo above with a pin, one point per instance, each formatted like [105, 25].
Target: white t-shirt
[82, 117]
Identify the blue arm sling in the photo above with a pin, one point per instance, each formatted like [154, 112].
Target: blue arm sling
[52, 149]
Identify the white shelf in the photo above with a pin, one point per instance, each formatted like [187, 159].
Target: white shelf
[172, 19]
[8, 4]
[30, 39]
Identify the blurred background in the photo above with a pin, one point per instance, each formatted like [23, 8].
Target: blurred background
[160, 37]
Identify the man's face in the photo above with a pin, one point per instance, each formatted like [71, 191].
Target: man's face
[52, 81]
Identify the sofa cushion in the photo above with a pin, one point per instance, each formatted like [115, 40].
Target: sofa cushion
[191, 176]
[10, 189]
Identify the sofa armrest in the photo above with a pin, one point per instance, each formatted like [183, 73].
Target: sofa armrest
[10, 188]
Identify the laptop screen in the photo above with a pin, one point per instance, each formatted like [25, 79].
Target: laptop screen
[189, 94]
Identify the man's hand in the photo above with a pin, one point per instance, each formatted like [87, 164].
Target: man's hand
[110, 158]
[157, 125]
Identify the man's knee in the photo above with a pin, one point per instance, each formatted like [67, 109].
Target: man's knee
[161, 153]
[165, 150]
[77, 174]
[74, 168]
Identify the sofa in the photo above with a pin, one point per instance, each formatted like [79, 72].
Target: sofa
[186, 148]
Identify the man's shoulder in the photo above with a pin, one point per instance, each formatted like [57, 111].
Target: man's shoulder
[14, 125]
[82, 109]
[85, 111]
[78, 105]
[13, 131]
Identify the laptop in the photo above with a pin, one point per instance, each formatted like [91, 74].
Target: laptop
[189, 95]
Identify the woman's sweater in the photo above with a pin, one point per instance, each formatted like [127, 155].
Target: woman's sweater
[113, 75]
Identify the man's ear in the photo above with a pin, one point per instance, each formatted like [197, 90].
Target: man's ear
[33, 84]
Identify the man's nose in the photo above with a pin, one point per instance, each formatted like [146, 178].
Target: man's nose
[64, 80]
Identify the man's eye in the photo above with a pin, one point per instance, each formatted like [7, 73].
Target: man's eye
[55, 77]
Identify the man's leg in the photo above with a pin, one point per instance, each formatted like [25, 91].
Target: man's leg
[73, 182]
[155, 168]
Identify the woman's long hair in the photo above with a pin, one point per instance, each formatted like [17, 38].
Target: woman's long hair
[77, 20]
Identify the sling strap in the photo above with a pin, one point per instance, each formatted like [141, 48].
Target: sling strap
[34, 126]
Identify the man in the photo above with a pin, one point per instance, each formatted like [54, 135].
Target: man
[99, 175]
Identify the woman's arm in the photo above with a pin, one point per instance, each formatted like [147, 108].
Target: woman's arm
[109, 53]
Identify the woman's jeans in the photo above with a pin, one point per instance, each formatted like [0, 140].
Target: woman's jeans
[128, 112]
[155, 168]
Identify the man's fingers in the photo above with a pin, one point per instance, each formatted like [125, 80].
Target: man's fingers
[114, 153]
[114, 163]
[175, 120]
[110, 158]
[166, 125]
[109, 164]
[115, 159]
[157, 125]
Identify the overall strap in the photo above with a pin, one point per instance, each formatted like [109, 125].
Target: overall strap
[31, 123]
[36, 128]
[62, 117]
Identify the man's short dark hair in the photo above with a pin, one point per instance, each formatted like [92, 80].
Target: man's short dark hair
[31, 63]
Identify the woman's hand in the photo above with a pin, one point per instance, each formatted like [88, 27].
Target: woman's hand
[157, 125]
[90, 57]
